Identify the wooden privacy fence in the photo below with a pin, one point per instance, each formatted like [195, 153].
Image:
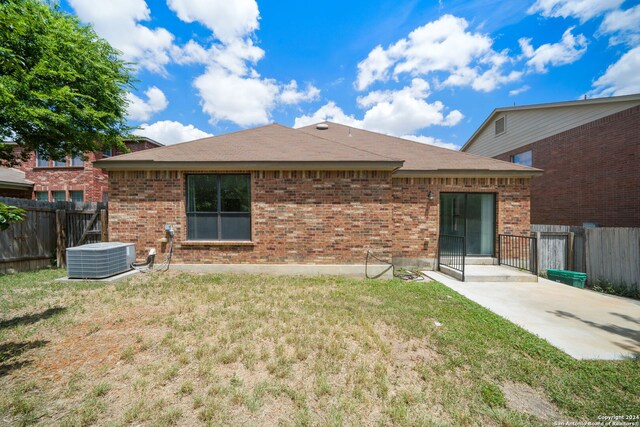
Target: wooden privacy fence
[605, 254]
[48, 229]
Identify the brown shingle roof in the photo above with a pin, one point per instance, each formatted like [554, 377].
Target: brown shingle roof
[338, 147]
[417, 157]
[10, 177]
[258, 146]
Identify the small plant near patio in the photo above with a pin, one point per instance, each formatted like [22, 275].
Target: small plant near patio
[618, 289]
[191, 349]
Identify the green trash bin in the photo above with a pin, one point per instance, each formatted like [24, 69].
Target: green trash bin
[571, 278]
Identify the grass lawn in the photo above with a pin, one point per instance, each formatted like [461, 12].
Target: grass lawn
[187, 349]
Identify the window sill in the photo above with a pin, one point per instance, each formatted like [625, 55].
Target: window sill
[217, 243]
[48, 168]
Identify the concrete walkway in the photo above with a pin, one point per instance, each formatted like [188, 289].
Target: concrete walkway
[582, 323]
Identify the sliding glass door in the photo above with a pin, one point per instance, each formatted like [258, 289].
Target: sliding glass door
[471, 215]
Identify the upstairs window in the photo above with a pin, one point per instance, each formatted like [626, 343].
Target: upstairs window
[219, 207]
[500, 126]
[107, 152]
[525, 158]
[42, 161]
[60, 164]
[77, 161]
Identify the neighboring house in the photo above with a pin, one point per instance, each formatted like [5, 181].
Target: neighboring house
[317, 195]
[75, 178]
[589, 151]
[13, 183]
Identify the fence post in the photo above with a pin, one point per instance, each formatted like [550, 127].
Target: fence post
[570, 254]
[104, 225]
[61, 237]
[538, 245]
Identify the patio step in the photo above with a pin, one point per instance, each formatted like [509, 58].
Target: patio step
[480, 260]
[490, 273]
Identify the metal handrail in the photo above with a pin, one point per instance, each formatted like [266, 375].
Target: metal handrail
[451, 252]
[520, 252]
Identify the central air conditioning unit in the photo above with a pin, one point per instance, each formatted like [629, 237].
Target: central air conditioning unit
[100, 260]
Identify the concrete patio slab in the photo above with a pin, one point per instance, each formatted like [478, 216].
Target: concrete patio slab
[109, 279]
[582, 323]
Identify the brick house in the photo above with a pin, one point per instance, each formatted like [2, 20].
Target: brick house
[589, 151]
[74, 179]
[320, 195]
[13, 183]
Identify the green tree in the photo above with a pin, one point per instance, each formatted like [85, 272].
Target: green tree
[62, 88]
[9, 214]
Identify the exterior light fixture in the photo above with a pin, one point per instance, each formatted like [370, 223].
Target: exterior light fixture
[430, 195]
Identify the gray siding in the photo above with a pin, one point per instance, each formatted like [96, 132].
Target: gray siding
[526, 126]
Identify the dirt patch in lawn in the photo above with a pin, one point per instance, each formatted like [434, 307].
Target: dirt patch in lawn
[98, 342]
[524, 398]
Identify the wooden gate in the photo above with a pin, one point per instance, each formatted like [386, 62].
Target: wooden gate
[48, 229]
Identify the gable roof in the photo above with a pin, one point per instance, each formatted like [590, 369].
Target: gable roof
[338, 147]
[14, 178]
[550, 105]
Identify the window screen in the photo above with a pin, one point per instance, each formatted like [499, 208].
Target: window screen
[43, 196]
[76, 196]
[500, 126]
[58, 196]
[42, 161]
[77, 161]
[59, 164]
[219, 207]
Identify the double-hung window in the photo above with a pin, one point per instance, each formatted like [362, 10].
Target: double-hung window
[219, 207]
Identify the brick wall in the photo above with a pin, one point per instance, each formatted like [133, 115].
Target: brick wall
[92, 181]
[416, 219]
[317, 217]
[591, 173]
[12, 192]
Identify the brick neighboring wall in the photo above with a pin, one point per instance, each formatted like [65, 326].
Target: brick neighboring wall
[12, 192]
[93, 181]
[87, 178]
[591, 173]
[416, 219]
[315, 217]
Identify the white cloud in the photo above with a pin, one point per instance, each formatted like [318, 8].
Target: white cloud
[169, 132]
[139, 109]
[236, 56]
[398, 112]
[519, 90]
[621, 78]
[441, 46]
[291, 95]
[230, 88]
[624, 24]
[118, 21]
[328, 112]
[580, 9]
[246, 101]
[229, 20]
[431, 141]
[568, 50]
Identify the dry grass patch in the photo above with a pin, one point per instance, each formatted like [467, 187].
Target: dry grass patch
[188, 349]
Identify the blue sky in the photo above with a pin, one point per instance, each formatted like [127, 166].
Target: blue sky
[428, 71]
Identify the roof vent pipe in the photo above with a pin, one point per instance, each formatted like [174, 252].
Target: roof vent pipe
[322, 126]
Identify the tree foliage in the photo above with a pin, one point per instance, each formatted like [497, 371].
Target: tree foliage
[9, 214]
[62, 88]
